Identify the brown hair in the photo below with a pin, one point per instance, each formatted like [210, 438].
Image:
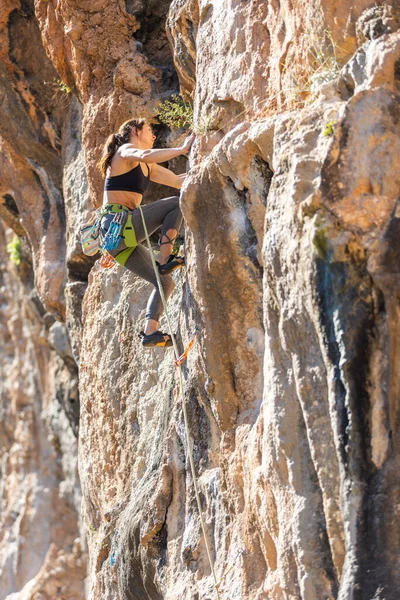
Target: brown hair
[115, 140]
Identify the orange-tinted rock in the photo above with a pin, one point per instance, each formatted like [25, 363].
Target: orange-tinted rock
[115, 56]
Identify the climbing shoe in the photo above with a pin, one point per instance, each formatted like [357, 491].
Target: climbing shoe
[173, 263]
[156, 339]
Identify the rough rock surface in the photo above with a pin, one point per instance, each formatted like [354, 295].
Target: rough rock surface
[291, 210]
[40, 546]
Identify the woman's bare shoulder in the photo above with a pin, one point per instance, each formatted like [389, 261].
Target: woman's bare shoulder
[121, 164]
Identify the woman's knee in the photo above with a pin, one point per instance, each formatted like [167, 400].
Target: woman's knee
[173, 202]
[174, 218]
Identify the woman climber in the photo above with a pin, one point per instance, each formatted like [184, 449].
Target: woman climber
[128, 164]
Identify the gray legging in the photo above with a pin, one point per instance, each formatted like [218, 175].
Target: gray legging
[165, 213]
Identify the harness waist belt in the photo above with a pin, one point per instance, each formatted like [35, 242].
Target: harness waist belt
[115, 208]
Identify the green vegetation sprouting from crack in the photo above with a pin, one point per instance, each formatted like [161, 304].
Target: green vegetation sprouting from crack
[176, 113]
[14, 250]
[329, 128]
[61, 86]
[320, 242]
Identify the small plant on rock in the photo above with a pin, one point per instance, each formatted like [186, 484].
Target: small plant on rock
[62, 87]
[329, 128]
[204, 126]
[60, 91]
[321, 64]
[322, 58]
[14, 250]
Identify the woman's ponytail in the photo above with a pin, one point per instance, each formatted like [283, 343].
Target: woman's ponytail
[115, 140]
[110, 148]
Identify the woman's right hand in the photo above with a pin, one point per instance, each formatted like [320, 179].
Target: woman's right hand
[188, 144]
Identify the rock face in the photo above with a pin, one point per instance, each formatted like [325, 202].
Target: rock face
[290, 292]
[41, 553]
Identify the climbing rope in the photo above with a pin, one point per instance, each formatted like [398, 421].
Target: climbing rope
[179, 362]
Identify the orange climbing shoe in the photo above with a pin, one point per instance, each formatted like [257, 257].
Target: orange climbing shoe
[156, 339]
[173, 263]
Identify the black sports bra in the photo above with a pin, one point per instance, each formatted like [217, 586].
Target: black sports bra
[131, 181]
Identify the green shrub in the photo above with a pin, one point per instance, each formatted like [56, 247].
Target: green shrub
[176, 113]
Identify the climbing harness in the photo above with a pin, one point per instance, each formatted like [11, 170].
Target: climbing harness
[185, 415]
[121, 227]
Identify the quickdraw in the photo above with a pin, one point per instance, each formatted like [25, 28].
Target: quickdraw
[107, 261]
[179, 361]
[114, 233]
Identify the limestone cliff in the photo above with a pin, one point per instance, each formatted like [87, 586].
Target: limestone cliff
[291, 213]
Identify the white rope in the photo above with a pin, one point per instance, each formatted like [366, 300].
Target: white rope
[181, 381]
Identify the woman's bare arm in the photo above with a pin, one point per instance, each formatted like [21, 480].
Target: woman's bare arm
[129, 152]
[150, 157]
[165, 177]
